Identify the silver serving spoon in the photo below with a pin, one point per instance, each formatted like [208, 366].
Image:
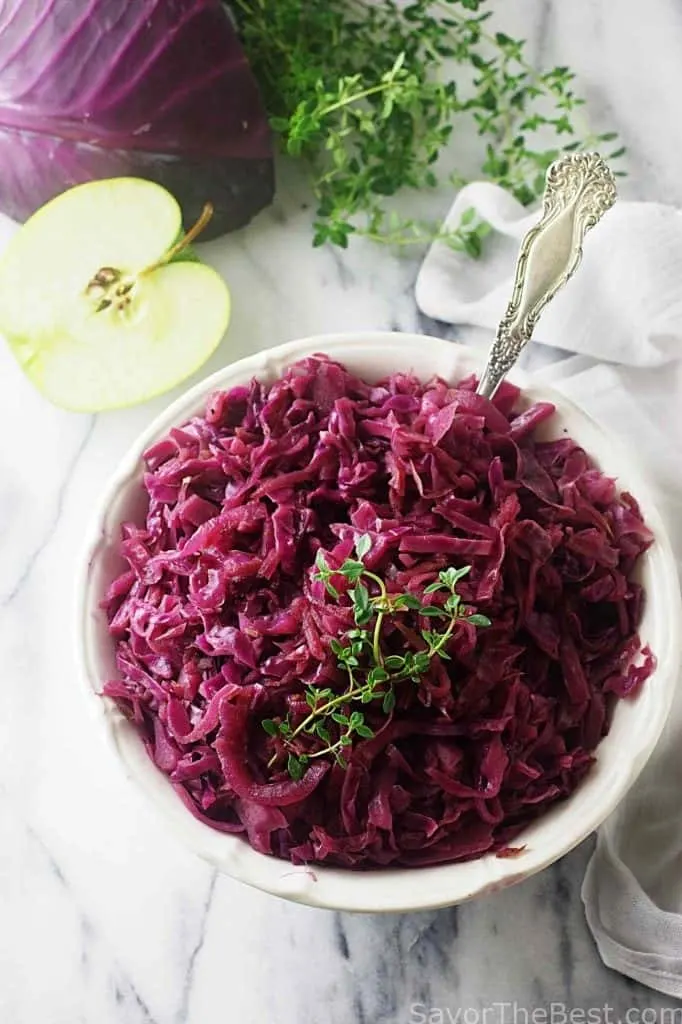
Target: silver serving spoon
[580, 189]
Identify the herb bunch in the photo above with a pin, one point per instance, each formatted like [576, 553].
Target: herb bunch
[369, 93]
[331, 726]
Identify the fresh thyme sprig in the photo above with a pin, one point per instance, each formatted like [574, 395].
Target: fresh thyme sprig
[373, 674]
[370, 94]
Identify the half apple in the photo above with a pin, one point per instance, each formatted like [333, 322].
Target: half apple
[99, 301]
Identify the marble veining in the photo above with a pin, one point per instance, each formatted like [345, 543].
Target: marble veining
[103, 917]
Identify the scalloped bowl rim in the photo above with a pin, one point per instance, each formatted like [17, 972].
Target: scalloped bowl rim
[637, 723]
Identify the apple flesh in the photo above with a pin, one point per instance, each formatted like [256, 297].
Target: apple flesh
[92, 308]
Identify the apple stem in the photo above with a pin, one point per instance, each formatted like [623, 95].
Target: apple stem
[186, 240]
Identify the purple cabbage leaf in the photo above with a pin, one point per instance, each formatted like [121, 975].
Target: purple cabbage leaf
[158, 89]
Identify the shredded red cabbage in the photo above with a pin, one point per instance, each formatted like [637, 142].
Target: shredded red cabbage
[218, 623]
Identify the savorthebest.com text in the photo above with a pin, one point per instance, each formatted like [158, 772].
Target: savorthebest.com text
[553, 1013]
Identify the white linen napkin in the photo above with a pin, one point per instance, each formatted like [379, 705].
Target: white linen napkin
[630, 280]
[623, 308]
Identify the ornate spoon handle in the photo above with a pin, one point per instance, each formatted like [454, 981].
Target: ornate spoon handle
[580, 189]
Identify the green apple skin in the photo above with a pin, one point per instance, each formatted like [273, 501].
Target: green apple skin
[90, 359]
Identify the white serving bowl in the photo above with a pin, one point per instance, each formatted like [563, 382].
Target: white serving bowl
[621, 756]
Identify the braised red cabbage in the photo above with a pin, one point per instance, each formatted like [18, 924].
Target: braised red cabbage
[218, 623]
[111, 88]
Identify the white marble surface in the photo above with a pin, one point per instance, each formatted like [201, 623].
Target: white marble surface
[102, 916]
